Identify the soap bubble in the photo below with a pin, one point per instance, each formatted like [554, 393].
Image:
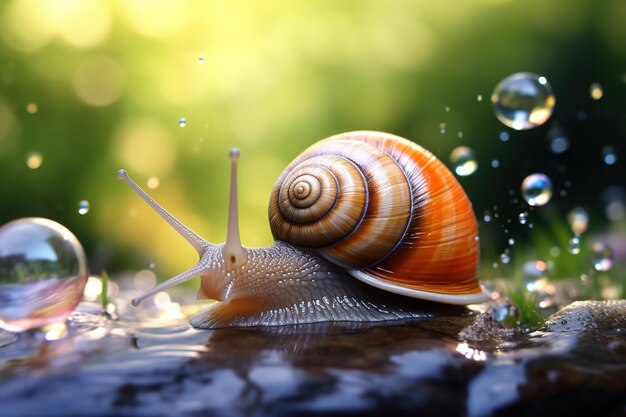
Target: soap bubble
[463, 161]
[43, 272]
[83, 207]
[523, 101]
[601, 256]
[537, 189]
[578, 219]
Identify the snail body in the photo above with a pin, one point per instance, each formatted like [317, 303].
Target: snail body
[364, 205]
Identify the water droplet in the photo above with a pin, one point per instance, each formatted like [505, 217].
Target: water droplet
[31, 108]
[495, 163]
[479, 98]
[505, 258]
[557, 140]
[459, 134]
[506, 314]
[487, 217]
[44, 272]
[182, 122]
[523, 217]
[153, 182]
[34, 160]
[511, 241]
[504, 136]
[601, 256]
[595, 91]
[578, 220]
[523, 101]
[442, 128]
[447, 109]
[555, 251]
[201, 59]
[495, 265]
[609, 155]
[574, 245]
[83, 207]
[537, 189]
[463, 161]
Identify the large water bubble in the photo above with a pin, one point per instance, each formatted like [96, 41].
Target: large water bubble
[43, 271]
[601, 256]
[537, 189]
[523, 101]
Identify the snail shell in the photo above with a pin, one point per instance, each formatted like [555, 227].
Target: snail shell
[385, 209]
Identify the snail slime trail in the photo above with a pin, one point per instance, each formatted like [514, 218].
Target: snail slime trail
[367, 225]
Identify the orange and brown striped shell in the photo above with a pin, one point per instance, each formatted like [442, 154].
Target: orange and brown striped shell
[385, 209]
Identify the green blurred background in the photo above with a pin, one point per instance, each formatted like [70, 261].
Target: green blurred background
[93, 86]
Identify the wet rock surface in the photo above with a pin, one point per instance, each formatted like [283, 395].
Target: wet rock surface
[455, 365]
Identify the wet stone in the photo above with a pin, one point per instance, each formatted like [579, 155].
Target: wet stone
[465, 363]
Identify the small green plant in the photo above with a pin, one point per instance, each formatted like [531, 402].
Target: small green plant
[105, 288]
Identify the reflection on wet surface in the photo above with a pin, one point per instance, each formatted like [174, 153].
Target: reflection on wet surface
[145, 367]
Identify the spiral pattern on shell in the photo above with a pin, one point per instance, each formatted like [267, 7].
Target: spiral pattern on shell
[385, 209]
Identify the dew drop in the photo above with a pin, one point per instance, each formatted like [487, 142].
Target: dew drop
[523, 217]
[578, 220]
[182, 122]
[595, 91]
[601, 256]
[537, 189]
[574, 245]
[34, 160]
[523, 101]
[464, 161]
[609, 155]
[44, 273]
[506, 314]
[83, 207]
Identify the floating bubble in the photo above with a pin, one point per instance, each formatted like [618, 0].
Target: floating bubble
[153, 182]
[463, 161]
[609, 155]
[574, 245]
[601, 256]
[595, 91]
[506, 314]
[537, 189]
[83, 207]
[578, 219]
[505, 258]
[487, 217]
[182, 122]
[495, 163]
[557, 140]
[43, 269]
[511, 241]
[31, 108]
[523, 101]
[34, 160]
[523, 217]
[504, 136]
[201, 59]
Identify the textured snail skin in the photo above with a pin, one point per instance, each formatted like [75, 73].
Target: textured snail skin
[281, 284]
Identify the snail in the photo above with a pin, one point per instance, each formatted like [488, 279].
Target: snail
[364, 224]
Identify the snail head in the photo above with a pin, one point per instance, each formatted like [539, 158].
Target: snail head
[217, 262]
